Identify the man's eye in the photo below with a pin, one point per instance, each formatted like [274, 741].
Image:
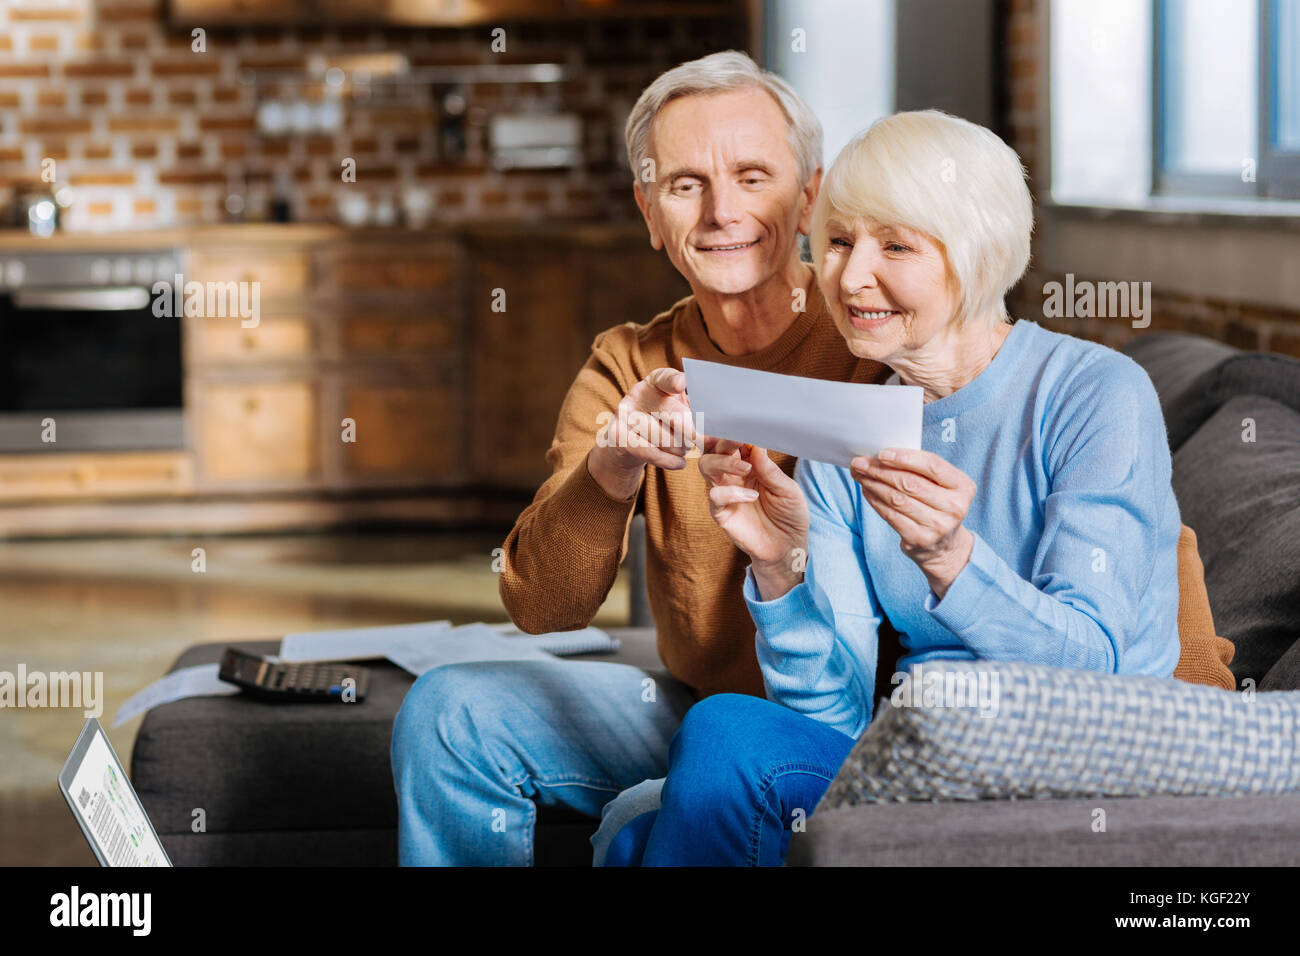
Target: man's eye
[684, 187]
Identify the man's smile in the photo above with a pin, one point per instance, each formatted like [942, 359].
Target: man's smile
[733, 247]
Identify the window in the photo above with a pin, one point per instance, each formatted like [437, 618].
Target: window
[839, 56]
[1175, 98]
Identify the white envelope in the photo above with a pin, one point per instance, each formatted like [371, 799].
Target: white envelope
[833, 422]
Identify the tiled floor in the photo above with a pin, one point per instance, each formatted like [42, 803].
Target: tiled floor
[129, 607]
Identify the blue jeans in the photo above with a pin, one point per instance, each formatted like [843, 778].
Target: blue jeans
[476, 747]
[742, 772]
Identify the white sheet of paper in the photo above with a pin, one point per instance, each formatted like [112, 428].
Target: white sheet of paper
[356, 643]
[833, 422]
[473, 642]
[201, 680]
[423, 646]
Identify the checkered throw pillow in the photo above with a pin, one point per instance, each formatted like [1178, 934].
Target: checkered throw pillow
[982, 730]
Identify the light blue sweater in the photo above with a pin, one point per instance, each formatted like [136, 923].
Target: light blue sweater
[1075, 561]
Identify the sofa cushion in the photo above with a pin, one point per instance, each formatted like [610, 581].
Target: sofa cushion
[1151, 831]
[1174, 361]
[1056, 733]
[1275, 377]
[1243, 500]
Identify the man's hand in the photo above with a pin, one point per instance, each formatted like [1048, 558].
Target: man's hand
[651, 426]
[761, 509]
[925, 499]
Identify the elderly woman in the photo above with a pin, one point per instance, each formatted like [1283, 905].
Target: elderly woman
[1037, 524]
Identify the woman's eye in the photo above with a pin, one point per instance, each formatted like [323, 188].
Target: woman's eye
[897, 247]
[844, 243]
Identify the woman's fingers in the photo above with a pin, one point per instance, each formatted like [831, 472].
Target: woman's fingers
[722, 495]
[767, 471]
[724, 469]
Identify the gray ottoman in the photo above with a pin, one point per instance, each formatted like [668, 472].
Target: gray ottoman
[302, 784]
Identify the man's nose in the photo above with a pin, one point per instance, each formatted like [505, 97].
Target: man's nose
[860, 269]
[721, 204]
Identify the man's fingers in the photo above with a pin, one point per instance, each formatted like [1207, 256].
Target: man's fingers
[669, 381]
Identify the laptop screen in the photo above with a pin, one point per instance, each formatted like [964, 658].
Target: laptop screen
[106, 805]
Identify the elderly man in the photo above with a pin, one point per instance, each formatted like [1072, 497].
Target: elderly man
[727, 160]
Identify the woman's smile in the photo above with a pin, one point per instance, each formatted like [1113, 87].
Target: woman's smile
[866, 319]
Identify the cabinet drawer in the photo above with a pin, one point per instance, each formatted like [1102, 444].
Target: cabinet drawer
[250, 431]
[386, 268]
[280, 274]
[405, 433]
[224, 341]
[382, 334]
[58, 475]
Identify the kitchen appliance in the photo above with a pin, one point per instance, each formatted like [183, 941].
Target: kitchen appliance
[80, 344]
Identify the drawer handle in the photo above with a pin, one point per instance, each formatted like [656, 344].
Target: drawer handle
[249, 340]
[250, 403]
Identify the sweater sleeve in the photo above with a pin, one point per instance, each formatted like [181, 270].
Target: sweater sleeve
[562, 556]
[1107, 455]
[817, 643]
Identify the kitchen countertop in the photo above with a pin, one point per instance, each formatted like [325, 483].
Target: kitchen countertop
[19, 240]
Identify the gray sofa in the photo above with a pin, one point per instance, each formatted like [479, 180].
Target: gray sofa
[311, 785]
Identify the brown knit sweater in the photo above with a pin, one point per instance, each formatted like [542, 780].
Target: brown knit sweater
[563, 554]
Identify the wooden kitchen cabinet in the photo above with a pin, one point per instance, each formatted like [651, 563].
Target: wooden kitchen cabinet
[558, 295]
[525, 357]
[257, 433]
[405, 433]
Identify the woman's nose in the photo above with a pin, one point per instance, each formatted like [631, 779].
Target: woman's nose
[860, 269]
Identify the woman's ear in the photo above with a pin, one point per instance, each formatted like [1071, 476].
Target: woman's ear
[809, 199]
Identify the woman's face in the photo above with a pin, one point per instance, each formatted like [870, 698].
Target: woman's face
[887, 287]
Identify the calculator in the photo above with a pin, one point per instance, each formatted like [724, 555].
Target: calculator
[294, 680]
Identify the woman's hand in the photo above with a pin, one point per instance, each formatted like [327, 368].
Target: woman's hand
[761, 509]
[925, 499]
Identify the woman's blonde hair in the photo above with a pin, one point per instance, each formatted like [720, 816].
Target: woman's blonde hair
[951, 179]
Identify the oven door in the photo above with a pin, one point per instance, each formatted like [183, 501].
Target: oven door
[98, 362]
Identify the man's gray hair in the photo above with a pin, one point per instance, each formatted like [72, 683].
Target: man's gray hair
[723, 73]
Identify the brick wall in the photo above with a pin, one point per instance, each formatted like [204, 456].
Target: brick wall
[1243, 324]
[150, 133]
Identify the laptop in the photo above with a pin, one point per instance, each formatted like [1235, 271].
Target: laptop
[105, 804]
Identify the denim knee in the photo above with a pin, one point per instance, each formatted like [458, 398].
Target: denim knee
[440, 711]
[717, 717]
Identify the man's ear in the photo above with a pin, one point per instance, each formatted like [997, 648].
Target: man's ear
[642, 203]
[809, 198]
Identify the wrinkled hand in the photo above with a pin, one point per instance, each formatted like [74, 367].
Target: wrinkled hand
[761, 509]
[652, 425]
[925, 499]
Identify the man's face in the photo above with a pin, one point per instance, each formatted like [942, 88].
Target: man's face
[726, 202]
